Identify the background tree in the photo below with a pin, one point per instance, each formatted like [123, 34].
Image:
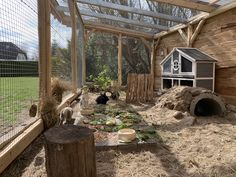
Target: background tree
[61, 61]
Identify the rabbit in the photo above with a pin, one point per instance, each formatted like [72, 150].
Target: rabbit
[115, 95]
[102, 99]
[66, 116]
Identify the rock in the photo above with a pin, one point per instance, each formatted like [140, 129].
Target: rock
[186, 113]
[85, 121]
[196, 92]
[76, 122]
[188, 121]
[231, 108]
[111, 121]
[118, 121]
[178, 115]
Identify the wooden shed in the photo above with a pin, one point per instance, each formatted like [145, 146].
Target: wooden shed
[188, 67]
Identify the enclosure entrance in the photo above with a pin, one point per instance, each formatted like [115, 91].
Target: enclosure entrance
[207, 107]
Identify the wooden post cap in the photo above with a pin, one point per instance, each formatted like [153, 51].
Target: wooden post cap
[67, 134]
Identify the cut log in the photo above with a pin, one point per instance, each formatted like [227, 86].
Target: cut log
[70, 151]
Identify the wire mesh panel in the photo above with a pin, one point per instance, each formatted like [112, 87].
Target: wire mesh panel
[60, 48]
[101, 56]
[18, 65]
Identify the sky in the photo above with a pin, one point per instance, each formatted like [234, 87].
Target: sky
[19, 24]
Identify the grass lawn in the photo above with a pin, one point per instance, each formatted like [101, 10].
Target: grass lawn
[16, 94]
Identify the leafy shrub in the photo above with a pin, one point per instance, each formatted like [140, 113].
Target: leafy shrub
[103, 80]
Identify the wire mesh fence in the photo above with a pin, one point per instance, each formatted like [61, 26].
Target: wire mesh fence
[19, 83]
[62, 46]
[102, 56]
[60, 49]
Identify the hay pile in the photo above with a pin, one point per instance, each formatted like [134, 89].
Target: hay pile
[48, 111]
[179, 98]
[58, 88]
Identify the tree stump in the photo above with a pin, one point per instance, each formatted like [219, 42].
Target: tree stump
[70, 152]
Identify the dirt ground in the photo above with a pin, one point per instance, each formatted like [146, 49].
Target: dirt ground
[205, 149]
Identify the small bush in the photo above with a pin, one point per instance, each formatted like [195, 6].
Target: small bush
[103, 80]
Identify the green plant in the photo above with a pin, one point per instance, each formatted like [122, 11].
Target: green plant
[103, 79]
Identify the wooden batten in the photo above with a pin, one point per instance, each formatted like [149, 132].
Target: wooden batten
[12, 150]
[153, 51]
[189, 5]
[83, 56]
[71, 5]
[190, 33]
[120, 60]
[116, 30]
[183, 35]
[197, 31]
[146, 43]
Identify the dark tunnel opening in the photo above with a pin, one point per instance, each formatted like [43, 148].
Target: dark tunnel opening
[207, 107]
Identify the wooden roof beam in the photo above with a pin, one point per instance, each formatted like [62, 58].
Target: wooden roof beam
[114, 18]
[188, 4]
[116, 30]
[133, 10]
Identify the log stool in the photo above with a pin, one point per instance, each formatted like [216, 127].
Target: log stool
[70, 152]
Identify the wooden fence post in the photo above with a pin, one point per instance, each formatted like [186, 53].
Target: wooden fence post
[44, 48]
[81, 55]
[72, 8]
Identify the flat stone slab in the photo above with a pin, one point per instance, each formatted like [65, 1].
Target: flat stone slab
[112, 143]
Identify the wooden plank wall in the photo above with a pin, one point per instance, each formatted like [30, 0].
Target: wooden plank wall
[218, 39]
[140, 88]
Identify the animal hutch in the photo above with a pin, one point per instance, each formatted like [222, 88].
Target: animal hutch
[188, 67]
